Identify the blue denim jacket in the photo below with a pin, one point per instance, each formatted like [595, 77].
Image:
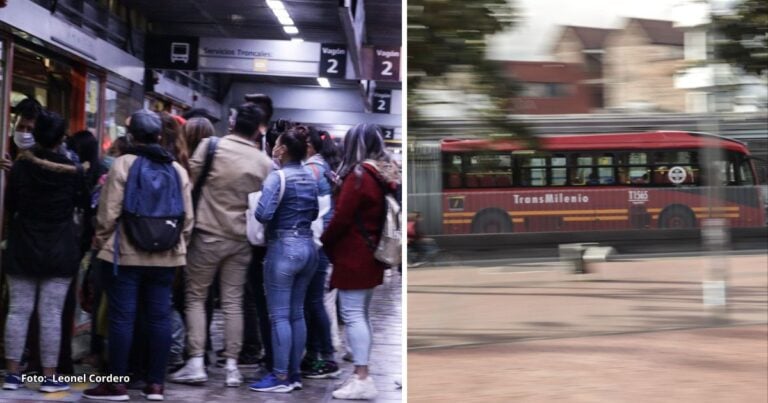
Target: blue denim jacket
[298, 208]
[318, 167]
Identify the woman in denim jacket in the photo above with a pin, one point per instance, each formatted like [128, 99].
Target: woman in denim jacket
[291, 258]
[319, 362]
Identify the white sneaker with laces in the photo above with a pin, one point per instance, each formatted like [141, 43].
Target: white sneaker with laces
[356, 389]
[192, 372]
[234, 378]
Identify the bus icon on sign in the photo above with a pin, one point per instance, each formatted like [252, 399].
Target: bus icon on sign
[179, 52]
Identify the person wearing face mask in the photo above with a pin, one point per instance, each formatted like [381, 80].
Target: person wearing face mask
[291, 258]
[26, 111]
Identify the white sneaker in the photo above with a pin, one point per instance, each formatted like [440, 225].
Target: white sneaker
[356, 389]
[234, 379]
[192, 372]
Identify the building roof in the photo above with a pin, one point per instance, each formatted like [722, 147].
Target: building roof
[591, 38]
[660, 32]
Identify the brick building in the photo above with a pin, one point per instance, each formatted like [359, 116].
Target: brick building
[639, 66]
[585, 46]
[549, 88]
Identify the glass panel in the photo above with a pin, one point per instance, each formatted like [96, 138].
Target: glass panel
[559, 175]
[91, 102]
[489, 170]
[746, 173]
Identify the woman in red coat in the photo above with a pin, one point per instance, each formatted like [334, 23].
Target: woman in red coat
[367, 172]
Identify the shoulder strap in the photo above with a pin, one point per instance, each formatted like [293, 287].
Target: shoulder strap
[197, 189]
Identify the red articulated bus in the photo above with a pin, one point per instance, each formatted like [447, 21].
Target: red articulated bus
[596, 182]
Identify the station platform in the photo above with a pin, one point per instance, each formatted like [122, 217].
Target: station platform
[386, 366]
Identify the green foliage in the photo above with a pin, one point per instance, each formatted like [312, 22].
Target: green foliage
[744, 36]
[447, 52]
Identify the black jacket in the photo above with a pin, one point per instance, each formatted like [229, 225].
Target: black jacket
[44, 188]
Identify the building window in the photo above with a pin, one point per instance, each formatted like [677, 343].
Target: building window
[546, 90]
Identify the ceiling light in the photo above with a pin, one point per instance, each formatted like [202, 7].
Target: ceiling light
[323, 82]
[285, 20]
[275, 4]
[290, 29]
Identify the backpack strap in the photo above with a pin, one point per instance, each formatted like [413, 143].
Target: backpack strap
[198, 188]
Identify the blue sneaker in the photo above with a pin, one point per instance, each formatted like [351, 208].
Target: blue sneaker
[12, 382]
[50, 385]
[296, 382]
[271, 383]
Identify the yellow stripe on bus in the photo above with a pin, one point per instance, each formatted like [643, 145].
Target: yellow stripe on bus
[718, 215]
[457, 221]
[518, 220]
[705, 209]
[458, 214]
[564, 212]
[598, 218]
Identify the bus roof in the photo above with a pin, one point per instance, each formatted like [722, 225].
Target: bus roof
[610, 141]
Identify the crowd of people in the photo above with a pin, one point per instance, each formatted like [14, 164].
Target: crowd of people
[161, 222]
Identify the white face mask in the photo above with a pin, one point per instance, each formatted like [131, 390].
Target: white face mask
[23, 140]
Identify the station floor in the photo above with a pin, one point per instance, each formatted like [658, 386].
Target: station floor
[386, 366]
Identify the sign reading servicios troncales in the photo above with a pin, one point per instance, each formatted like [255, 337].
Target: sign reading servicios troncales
[251, 56]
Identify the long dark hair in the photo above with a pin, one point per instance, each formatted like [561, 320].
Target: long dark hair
[362, 142]
[324, 145]
[173, 141]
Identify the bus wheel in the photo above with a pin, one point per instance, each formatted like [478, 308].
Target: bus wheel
[491, 222]
[677, 217]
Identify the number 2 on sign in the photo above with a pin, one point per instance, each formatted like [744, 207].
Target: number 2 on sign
[382, 105]
[387, 68]
[334, 66]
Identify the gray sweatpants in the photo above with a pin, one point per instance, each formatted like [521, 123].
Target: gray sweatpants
[50, 294]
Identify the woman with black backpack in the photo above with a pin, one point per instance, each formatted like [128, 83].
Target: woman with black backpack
[367, 175]
[144, 223]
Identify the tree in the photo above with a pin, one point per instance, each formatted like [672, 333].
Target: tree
[744, 35]
[447, 53]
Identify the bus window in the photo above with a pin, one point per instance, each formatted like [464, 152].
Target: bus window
[452, 171]
[745, 173]
[533, 171]
[639, 174]
[605, 170]
[489, 170]
[582, 169]
[559, 171]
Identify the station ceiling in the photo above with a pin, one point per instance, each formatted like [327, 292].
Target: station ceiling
[317, 20]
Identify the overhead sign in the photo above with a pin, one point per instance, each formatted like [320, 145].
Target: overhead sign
[388, 133]
[382, 101]
[171, 52]
[333, 61]
[386, 64]
[252, 56]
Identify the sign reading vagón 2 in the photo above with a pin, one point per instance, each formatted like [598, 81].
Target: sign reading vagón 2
[251, 56]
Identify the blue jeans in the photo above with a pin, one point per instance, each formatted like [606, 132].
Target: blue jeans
[124, 293]
[288, 268]
[355, 306]
[318, 324]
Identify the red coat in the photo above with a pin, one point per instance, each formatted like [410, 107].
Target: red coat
[354, 266]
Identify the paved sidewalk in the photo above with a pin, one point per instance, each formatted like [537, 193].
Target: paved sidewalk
[386, 366]
[633, 331]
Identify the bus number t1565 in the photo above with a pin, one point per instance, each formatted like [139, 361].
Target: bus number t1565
[638, 196]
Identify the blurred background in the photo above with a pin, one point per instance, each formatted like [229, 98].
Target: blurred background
[587, 200]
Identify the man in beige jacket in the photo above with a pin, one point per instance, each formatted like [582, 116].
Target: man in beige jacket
[219, 242]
